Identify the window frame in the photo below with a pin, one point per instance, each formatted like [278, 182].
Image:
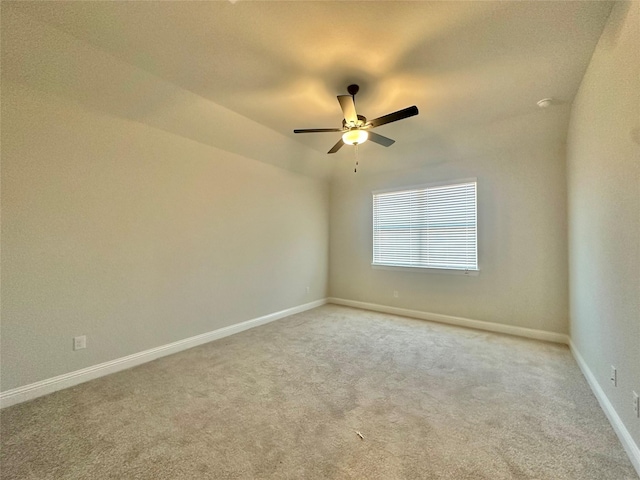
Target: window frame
[422, 268]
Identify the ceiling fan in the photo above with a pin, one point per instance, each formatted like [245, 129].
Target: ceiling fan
[355, 128]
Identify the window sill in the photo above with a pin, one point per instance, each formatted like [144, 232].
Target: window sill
[446, 271]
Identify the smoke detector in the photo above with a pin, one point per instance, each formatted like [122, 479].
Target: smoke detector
[545, 102]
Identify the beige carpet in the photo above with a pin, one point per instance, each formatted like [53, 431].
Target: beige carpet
[285, 401]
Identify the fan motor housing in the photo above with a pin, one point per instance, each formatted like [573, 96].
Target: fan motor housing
[362, 121]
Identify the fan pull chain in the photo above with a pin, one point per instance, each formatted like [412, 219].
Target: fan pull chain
[355, 170]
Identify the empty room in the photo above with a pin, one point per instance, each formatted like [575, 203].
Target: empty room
[320, 240]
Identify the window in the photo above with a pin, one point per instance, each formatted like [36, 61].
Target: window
[426, 227]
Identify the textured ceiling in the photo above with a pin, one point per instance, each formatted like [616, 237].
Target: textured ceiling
[474, 69]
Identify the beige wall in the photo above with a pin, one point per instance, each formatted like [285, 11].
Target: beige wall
[136, 237]
[603, 158]
[521, 242]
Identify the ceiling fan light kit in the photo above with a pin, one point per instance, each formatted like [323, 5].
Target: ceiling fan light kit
[355, 136]
[355, 128]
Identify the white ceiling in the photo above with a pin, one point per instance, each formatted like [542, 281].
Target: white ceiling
[474, 69]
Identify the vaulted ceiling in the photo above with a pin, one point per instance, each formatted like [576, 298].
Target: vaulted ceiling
[241, 75]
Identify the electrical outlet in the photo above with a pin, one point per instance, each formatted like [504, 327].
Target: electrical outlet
[308, 290]
[395, 294]
[614, 376]
[80, 342]
[636, 404]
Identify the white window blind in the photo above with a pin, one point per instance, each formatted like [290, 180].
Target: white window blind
[432, 227]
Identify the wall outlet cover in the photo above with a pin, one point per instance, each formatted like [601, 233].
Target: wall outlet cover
[80, 342]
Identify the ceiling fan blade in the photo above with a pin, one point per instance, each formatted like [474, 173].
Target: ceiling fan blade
[315, 130]
[336, 147]
[394, 117]
[380, 139]
[348, 109]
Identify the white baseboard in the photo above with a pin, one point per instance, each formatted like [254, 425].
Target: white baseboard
[459, 321]
[623, 434]
[50, 385]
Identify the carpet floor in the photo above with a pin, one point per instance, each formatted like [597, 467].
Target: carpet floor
[288, 399]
